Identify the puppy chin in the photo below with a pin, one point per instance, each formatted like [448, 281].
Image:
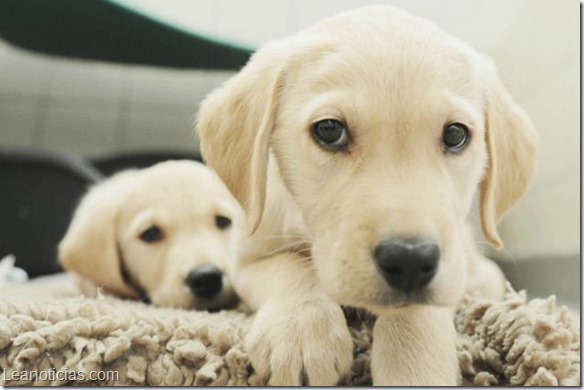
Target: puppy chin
[380, 298]
[174, 299]
[182, 298]
[225, 300]
[398, 299]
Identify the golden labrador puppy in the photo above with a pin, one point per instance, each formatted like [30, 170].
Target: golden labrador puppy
[165, 234]
[356, 147]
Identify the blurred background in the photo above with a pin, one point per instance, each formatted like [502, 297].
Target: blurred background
[93, 86]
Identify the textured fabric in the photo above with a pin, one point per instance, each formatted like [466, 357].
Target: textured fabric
[513, 342]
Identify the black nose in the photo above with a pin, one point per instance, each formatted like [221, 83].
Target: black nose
[408, 264]
[205, 281]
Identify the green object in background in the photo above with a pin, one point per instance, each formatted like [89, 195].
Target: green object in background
[102, 30]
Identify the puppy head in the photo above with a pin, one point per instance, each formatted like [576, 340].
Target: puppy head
[382, 127]
[169, 232]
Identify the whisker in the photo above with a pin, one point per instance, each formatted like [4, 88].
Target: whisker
[289, 245]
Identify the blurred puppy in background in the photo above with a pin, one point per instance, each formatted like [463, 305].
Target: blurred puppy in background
[164, 234]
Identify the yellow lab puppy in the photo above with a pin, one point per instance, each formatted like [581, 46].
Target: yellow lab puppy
[356, 148]
[165, 234]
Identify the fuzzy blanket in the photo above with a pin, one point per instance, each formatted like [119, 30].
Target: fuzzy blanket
[513, 342]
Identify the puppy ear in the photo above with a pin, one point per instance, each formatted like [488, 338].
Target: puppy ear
[234, 125]
[90, 247]
[512, 155]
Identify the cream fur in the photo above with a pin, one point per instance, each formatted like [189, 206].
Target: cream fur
[182, 198]
[315, 216]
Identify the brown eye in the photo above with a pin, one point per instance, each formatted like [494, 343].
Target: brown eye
[152, 234]
[455, 137]
[222, 222]
[331, 134]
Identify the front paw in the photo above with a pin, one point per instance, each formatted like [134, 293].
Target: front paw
[303, 344]
[415, 346]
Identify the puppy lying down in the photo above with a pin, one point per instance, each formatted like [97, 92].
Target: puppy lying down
[164, 234]
[356, 148]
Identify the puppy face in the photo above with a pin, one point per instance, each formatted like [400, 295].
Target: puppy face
[382, 131]
[362, 148]
[168, 232]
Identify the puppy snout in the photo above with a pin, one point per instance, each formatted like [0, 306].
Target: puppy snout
[407, 264]
[205, 281]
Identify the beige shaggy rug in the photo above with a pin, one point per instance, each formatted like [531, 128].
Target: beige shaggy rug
[513, 342]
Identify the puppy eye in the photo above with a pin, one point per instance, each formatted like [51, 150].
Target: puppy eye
[455, 137]
[222, 222]
[152, 234]
[331, 134]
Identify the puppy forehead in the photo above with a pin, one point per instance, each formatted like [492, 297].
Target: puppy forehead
[388, 74]
[183, 178]
[384, 52]
[179, 189]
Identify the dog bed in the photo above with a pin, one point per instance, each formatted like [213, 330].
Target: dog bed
[512, 342]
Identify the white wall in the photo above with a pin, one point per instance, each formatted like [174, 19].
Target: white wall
[541, 65]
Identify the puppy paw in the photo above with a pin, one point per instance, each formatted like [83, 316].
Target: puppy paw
[304, 344]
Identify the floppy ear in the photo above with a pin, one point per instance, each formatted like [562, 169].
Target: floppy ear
[89, 247]
[234, 125]
[512, 151]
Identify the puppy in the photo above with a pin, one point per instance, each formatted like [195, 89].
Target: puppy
[165, 234]
[356, 147]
